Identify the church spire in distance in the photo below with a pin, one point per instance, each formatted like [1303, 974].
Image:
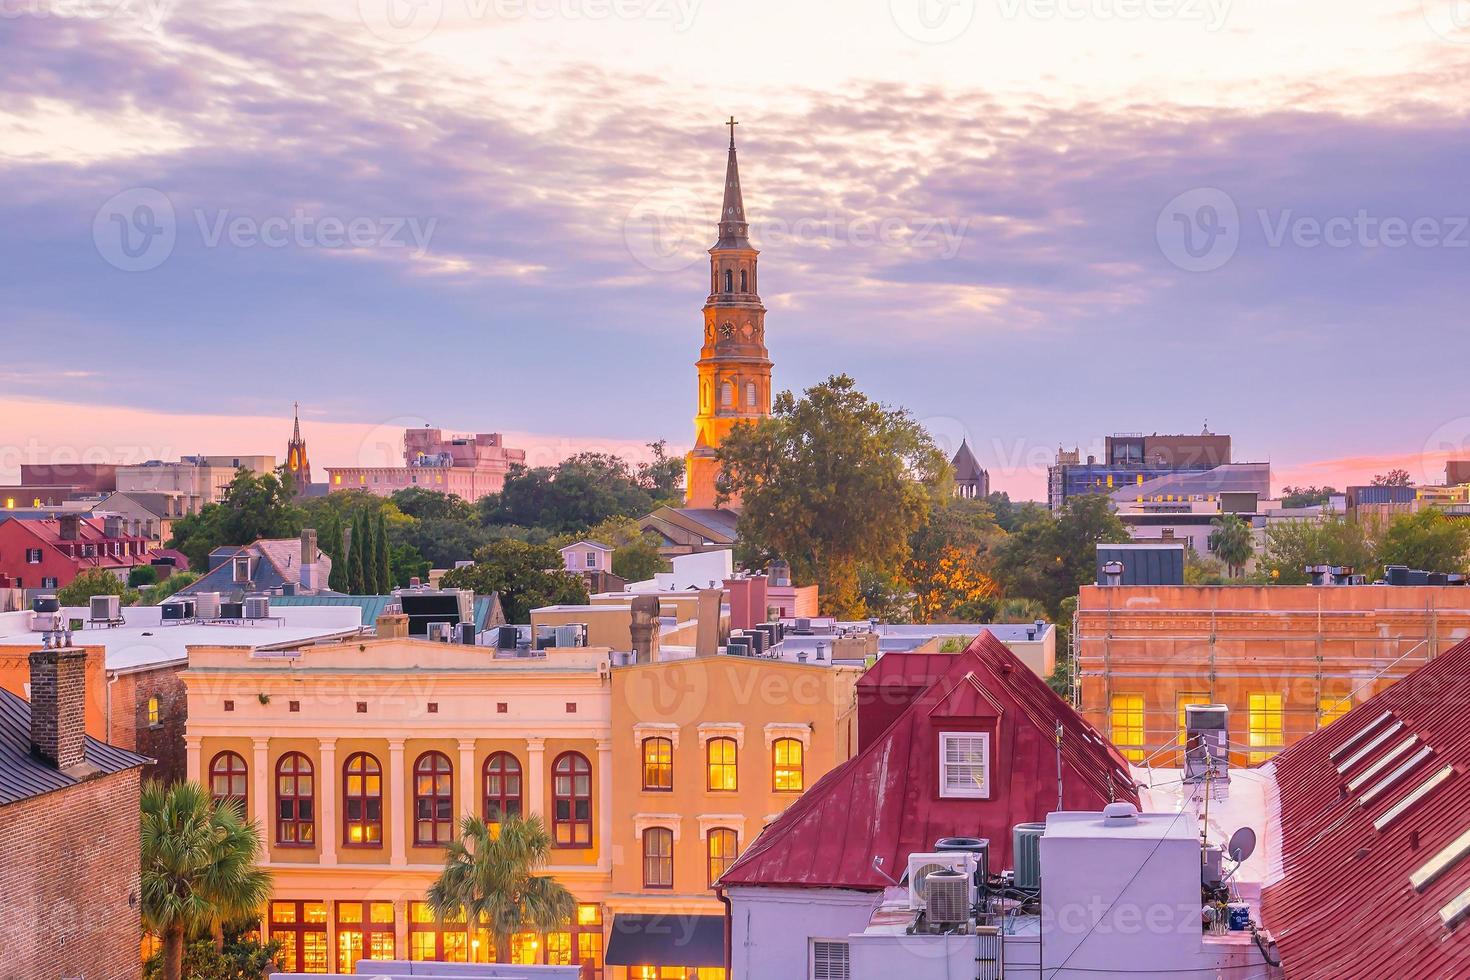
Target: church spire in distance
[734, 232]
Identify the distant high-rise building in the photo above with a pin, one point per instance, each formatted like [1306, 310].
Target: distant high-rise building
[1133, 459]
[297, 463]
[734, 365]
[469, 467]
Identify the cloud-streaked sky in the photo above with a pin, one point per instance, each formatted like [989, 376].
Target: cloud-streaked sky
[1031, 222]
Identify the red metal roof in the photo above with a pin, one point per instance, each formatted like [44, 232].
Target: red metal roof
[884, 802]
[90, 530]
[1346, 905]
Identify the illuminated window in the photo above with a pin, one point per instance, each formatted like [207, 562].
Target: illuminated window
[228, 780]
[588, 935]
[723, 845]
[1331, 709]
[721, 755]
[502, 787]
[295, 801]
[364, 932]
[786, 766]
[337, 479]
[433, 799]
[155, 717]
[1265, 726]
[571, 814]
[964, 765]
[301, 928]
[658, 858]
[1127, 718]
[658, 764]
[362, 798]
[446, 941]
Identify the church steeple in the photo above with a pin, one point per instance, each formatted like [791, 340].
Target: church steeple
[297, 463]
[734, 365]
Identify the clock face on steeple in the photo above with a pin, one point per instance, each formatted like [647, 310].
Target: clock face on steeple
[727, 331]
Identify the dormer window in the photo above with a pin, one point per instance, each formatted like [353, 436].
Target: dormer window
[964, 765]
[242, 568]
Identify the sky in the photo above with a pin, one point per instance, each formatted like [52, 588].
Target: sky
[1031, 223]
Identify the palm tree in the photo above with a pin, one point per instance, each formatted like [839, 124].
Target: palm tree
[489, 877]
[1232, 541]
[198, 868]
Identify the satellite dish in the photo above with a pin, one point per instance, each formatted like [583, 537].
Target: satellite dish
[1242, 844]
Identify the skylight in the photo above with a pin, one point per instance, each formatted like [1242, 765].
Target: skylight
[1367, 750]
[1396, 775]
[1441, 862]
[1415, 795]
[1382, 763]
[1359, 735]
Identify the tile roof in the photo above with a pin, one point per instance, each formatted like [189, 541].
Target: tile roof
[1365, 804]
[23, 776]
[883, 802]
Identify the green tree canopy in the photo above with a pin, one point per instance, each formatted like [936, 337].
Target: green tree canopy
[90, 582]
[253, 506]
[490, 876]
[1427, 540]
[422, 504]
[199, 870]
[833, 481]
[1233, 541]
[1306, 496]
[1394, 478]
[525, 575]
[1051, 557]
[663, 476]
[576, 494]
[1293, 545]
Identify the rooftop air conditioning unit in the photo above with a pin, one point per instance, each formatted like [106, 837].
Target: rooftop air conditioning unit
[257, 607]
[106, 608]
[571, 635]
[177, 610]
[947, 897]
[921, 866]
[441, 632]
[206, 605]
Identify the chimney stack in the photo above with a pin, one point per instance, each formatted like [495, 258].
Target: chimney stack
[308, 546]
[58, 706]
[69, 527]
[643, 629]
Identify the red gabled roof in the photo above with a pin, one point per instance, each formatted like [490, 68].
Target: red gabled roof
[89, 531]
[1345, 906]
[884, 802]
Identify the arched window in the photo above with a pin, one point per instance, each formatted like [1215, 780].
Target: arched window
[786, 766]
[295, 801]
[750, 394]
[742, 282]
[721, 754]
[362, 801]
[502, 787]
[228, 780]
[727, 394]
[571, 813]
[729, 281]
[433, 799]
[658, 858]
[723, 846]
[658, 764]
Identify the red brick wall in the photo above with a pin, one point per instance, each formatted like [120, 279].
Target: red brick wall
[131, 728]
[70, 883]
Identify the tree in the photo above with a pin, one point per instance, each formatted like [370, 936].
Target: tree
[525, 575]
[329, 539]
[382, 573]
[357, 556]
[1011, 516]
[576, 494]
[1052, 556]
[424, 504]
[141, 575]
[950, 561]
[252, 507]
[663, 477]
[442, 541]
[638, 561]
[242, 958]
[1232, 541]
[93, 581]
[407, 564]
[833, 482]
[199, 869]
[1425, 540]
[1394, 478]
[490, 877]
[1294, 497]
[1293, 545]
[155, 594]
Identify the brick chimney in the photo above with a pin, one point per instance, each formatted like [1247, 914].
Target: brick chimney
[392, 624]
[69, 527]
[58, 706]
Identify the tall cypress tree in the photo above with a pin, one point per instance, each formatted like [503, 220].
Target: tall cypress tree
[357, 557]
[329, 539]
[380, 552]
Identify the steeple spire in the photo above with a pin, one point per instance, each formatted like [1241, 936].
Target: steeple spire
[734, 232]
[296, 412]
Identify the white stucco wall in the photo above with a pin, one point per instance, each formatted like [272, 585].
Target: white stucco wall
[770, 928]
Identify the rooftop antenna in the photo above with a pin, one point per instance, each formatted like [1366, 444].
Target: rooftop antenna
[878, 867]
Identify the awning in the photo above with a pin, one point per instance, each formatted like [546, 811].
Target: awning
[667, 940]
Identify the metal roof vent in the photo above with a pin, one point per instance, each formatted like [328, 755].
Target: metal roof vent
[1120, 814]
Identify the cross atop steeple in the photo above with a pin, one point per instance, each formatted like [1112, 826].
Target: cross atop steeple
[732, 124]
